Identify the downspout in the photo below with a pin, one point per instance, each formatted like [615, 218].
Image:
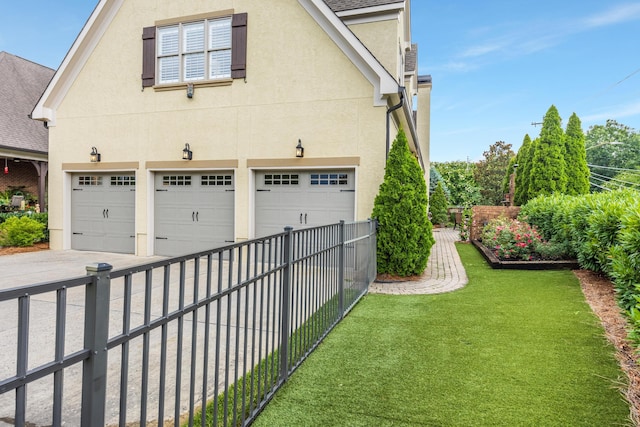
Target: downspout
[389, 111]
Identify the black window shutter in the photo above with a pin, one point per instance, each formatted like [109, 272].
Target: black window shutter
[239, 46]
[148, 56]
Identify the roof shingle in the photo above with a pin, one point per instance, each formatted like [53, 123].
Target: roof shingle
[342, 5]
[21, 85]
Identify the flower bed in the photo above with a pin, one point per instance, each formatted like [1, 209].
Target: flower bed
[509, 243]
[497, 263]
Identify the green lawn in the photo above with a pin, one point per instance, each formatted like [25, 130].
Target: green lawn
[513, 348]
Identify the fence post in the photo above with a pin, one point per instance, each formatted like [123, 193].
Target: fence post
[96, 334]
[286, 299]
[341, 270]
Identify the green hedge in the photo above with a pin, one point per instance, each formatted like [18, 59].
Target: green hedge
[603, 231]
[42, 218]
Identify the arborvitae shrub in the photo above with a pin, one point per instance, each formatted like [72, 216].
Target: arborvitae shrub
[404, 231]
[438, 206]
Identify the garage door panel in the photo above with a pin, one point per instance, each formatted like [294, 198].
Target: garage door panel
[313, 198]
[193, 212]
[103, 212]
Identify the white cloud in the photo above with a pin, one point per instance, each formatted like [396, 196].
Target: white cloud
[617, 112]
[615, 15]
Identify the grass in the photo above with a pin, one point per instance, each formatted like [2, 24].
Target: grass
[513, 348]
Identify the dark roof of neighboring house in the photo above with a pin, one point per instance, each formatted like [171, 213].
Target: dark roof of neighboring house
[22, 82]
[342, 5]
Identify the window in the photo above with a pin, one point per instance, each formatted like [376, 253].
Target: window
[195, 51]
[216, 180]
[176, 180]
[329, 179]
[281, 179]
[204, 50]
[123, 180]
[89, 180]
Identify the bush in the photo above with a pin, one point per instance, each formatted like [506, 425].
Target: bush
[22, 231]
[42, 218]
[465, 225]
[438, 205]
[404, 232]
[511, 239]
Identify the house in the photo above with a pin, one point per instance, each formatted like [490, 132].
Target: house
[181, 126]
[23, 142]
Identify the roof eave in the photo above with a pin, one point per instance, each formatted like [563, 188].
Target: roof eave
[383, 83]
[73, 62]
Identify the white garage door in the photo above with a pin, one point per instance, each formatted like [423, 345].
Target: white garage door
[193, 212]
[303, 199]
[103, 212]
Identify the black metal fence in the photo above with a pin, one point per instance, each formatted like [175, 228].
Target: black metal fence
[213, 333]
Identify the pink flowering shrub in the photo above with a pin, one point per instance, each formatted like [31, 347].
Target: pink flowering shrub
[510, 239]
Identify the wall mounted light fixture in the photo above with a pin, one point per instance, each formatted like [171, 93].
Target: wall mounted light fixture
[94, 156]
[299, 149]
[187, 154]
[190, 90]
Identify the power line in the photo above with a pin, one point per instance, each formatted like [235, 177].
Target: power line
[615, 169]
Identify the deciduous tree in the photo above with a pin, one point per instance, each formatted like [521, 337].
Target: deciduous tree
[490, 171]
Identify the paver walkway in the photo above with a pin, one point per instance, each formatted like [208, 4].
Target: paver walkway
[444, 272]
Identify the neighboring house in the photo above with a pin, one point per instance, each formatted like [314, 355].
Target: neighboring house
[23, 142]
[199, 150]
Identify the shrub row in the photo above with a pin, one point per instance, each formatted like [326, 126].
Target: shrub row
[602, 230]
[23, 228]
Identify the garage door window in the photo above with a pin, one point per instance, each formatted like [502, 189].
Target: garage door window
[89, 180]
[123, 181]
[216, 180]
[173, 180]
[329, 179]
[281, 179]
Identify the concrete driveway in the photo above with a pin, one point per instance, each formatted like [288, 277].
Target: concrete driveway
[44, 266]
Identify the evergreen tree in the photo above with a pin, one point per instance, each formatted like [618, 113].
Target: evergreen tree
[404, 232]
[523, 160]
[548, 170]
[576, 158]
[438, 206]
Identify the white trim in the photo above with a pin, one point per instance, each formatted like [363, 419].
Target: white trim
[383, 82]
[74, 61]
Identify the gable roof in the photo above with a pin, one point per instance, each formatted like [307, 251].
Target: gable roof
[21, 84]
[104, 12]
[342, 5]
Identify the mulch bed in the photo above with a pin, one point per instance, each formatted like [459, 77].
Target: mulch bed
[10, 250]
[600, 295]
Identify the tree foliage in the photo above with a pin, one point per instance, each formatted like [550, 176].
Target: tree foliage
[458, 178]
[524, 160]
[434, 179]
[490, 171]
[548, 171]
[611, 147]
[438, 206]
[404, 234]
[577, 170]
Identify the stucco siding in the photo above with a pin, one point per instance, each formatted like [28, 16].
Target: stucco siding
[299, 85]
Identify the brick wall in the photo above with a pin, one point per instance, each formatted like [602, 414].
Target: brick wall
[483, 214]
[21, 174]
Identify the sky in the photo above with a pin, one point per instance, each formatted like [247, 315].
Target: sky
[497, 65]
